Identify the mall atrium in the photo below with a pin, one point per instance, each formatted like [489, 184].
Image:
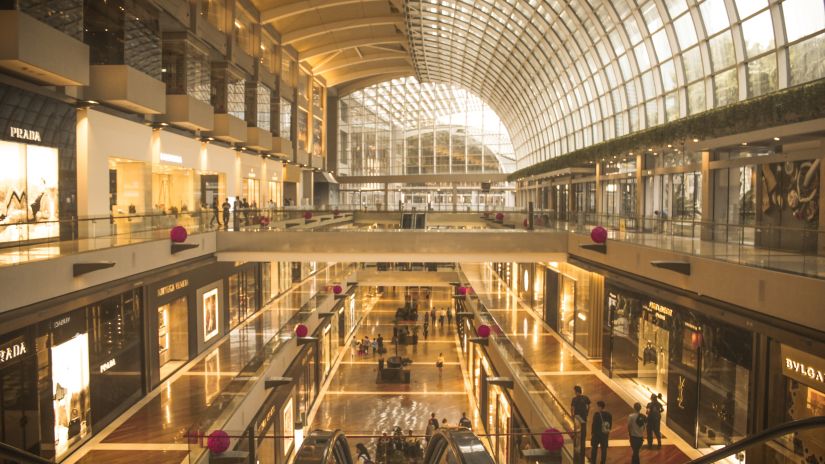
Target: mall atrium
[412, 231]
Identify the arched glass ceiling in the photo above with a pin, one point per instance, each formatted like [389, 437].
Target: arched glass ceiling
[565, 74]
[401, 127]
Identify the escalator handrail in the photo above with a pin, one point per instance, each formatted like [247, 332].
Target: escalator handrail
[466, 446]
[10, 452]
[331, 438]
[761, 437]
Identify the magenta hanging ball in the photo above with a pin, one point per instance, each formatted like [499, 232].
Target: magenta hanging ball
[264, 221]
[499, 216]
[308, 215]
[217, 441]
[598, 234]
[178, 234]
[483, 331]
[552, 439]
[462, 290]
[301, 330]
[337, 289]
[526, 223]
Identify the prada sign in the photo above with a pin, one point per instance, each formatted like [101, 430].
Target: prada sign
[25, 134]
[803, 367]
[12, 350]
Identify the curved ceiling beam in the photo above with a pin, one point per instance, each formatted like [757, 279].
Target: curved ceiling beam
[296, 8]
[347, 62]
[361, 73]
[354, 86]
[313, 31]
[360, 42]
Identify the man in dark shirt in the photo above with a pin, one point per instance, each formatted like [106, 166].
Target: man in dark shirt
[580, 406]
[600, 432]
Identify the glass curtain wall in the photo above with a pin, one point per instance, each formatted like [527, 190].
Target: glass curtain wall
[567, 75]
[404, 127]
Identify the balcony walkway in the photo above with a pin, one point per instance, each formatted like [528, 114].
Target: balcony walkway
[561, 367]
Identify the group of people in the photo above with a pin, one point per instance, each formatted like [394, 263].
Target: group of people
[363, 346]
[639, 424]
[404, 449]
[241, 207]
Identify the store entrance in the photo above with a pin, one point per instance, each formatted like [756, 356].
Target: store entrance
[173, 336]
[653, 356]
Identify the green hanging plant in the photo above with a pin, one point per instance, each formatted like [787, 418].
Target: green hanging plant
[796, 104]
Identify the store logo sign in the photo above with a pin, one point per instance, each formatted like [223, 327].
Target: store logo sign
[61, 322]
[167, 289]
[108, 365]
[13, 350]
[662, 312]
[803, 367]
[25, 134]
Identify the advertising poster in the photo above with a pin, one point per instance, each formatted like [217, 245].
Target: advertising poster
[210, 314]
[28, 192]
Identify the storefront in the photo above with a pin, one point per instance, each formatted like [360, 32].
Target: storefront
[572, 305]
[243, 293]
[700, 365]
[797, 385]
[38, 182]
[69, 376]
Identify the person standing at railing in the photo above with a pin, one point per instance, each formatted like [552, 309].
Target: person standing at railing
[580, 406]
[236, 216]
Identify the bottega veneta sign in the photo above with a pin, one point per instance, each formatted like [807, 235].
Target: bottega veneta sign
[25, 134]
[803, 367]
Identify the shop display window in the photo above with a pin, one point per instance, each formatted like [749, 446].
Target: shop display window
[28, 192]
[69, 355]
[115, 341]
[127, 186]
[243, 300]
[317, 136]
[172, 189]
[285, 119]
[19, 412]
[303, 123]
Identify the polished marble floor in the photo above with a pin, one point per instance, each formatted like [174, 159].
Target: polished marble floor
[155, 429]
[561, 368]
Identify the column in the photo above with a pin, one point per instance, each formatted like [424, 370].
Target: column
[386, 197]
[599, 205]
[640, 191]
[455, 197]
[706, 200]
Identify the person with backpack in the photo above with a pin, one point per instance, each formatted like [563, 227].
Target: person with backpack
[465, 422]
[654, 421]
[363, 456]
[600, 432]
[636, 429]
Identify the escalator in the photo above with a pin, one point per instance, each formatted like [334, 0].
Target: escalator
[453, 445]
[407, 221]
[420, 221]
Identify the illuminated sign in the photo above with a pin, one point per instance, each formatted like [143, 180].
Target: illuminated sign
[108, 365]
[662, 312]
[13, 350]
[61, 322]
[167, 289]
[264, 423]
[803, 367]
[25, 134]
[170, 158]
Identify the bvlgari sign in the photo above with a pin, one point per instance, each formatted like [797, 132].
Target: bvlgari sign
[803, 367]
[25, 134]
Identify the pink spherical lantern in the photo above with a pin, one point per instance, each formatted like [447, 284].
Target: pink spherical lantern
[301, 330]
[499, 217]
[598, 234]
[265, 221]
[308, 215]
[483, 331]
[217, 441]
[552, 439]
[525, 223]
[337, 289]
[462, 290]
[178, 234]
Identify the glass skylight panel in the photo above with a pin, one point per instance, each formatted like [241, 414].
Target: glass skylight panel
[758, 34]
[714, 15]
[803, 17]
[746, 8]
[685, 31]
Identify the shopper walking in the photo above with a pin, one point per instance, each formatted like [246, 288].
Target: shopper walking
[433, 421]
[580, 407]
[465, 422]
[636, 429]
[432, 317]
[426, 328]
[600, 432]
[215, 218]
[226, 207]
[363, 456]
[439, 363]
[654, 421]
[449, 316]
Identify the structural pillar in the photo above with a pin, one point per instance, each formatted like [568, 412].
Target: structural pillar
[705, 201]
[455, 197]
[386, 197]
[640, 191]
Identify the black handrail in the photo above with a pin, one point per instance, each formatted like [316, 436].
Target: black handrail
[463, 444]
[761, 437]
[323, 446]
[20, 456]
